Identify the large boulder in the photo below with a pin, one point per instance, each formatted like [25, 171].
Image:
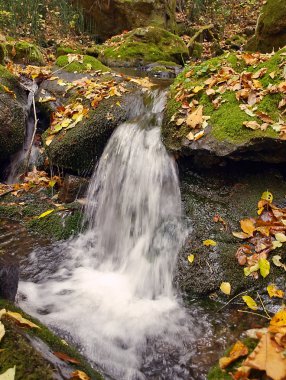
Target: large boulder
[114, 16]
[271, 28]
[215, 201]
[13, 115]
[230, 107]
[142, 46]
[77, 149]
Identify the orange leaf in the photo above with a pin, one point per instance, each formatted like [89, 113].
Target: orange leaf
[66, 358]
[238, 350]
[247, 226]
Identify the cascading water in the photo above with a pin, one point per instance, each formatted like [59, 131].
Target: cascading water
[113, 291]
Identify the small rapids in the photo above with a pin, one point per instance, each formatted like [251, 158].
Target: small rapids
[113, 290]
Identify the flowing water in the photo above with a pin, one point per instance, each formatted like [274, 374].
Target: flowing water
[113, 290]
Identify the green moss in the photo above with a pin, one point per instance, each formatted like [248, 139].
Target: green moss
[217, 374]
[58, 225]
[89, 63]
[64, 50]
[143, 46]
[30, 365]
[24, 52]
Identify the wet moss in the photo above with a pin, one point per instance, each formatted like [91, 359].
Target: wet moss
[89, 63]
[29, 363]
[143, 46]
[64, 50]
[24, 52]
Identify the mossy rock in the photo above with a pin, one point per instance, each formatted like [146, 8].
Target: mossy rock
[226, 136]
[64, 50]
[271, 28]
[13, 115]
[117, 16]
[89, 64]
[31, 351]
[24, 52]
[142, 46]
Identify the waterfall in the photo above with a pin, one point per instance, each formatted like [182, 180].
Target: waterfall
[113, 291]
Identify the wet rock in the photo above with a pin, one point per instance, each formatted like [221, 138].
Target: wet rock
[13, 115]
[9, 278]
[73, 187]
[89, 63]
[142, 46]
[22, 52]
[164, 71]
[232, 193]
[115, 16]
[271, 28]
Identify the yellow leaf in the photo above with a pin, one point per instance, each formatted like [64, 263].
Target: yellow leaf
[247, 226]
[248, 270]
[276, 244]
[267, 196]
[79, 375]
[2, 331]
[250, 302]
[209, 242]
[49, 139]
[199, 135]
[190, 136]
[241, 235]
[9, 374]
[225, 287]
[23, 321]
[274, 292]
[191, 258]
[197, 89]
[264, 267]
[279, 319]
[280, 237]
[47, 99]
[44, 214]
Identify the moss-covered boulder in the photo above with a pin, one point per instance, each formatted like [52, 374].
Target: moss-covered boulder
[142, 46]
[240, 115]
[215, 201]
[271, 28]
[113, 17]
[23, 52]
[32, 350]
[13, 115]
[86, 64]
[78, 149]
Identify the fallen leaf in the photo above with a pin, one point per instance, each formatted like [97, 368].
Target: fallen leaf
[79, 375]
[241, 235]
[195, 119]
[225, 287]
[279, 319]
[273, 291]
[247, 226]
[66, 358]
[191, 258]
[46, 213]
[267, 196]
[250, 302]
[277, 261]
[2, 331]
[237, 351]
[21, 320]
[9, 374]
[251, 124]
[264, 267]
[209, 242]
[280, 237]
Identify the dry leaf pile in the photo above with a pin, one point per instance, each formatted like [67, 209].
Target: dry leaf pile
[269, 356]
[261, 236]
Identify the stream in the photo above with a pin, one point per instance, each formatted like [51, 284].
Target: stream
[110, 291]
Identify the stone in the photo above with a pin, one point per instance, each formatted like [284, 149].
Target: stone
[9, 278]
[142, 46]
[115, 16]
[271, 28]
[74, 187]
[23, 52]
[13, 115]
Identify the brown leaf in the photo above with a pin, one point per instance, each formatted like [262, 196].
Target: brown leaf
[195, 119]
[79, 375]
[248, 226]
[264, 117]
[251, 124]
[66, 358]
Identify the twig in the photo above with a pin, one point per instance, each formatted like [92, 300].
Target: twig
[33, 136]
[61, 68]
[264, 308]
[232, 300]
[251, 312]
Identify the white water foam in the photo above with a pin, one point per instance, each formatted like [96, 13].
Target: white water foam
[113, 292]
